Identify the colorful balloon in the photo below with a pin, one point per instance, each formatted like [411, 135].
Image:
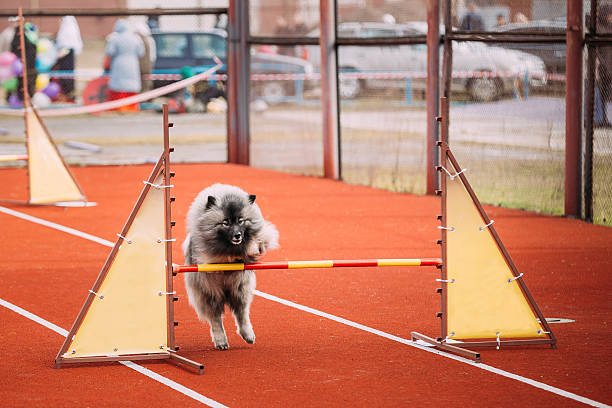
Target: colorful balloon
[44, 62]
[7, 58]
[10, 84]
[52, 90]
[14, 101]
[6, 73]
[44, 45]
[40, 100]
[42, 80]
[46, 55]
[17, 67]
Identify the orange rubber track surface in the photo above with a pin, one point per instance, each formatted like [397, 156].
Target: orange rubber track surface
[301, 359]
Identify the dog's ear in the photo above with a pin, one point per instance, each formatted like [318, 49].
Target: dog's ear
[252, 198]
[211, 202]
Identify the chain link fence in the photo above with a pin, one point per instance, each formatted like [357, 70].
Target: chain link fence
[121, 136]
[602, 136]
[510, 130]
[507, 97]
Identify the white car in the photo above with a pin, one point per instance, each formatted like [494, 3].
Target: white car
[484, 72]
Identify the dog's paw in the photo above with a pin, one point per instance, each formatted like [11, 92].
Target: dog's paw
[263, 247]
[253, 253]
[248, 335]
[221, 345]
[220, 341]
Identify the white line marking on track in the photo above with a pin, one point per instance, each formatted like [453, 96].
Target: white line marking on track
[32, 316]
[53, 225]
[174, 385]
[341, 320]
[130, 364]
[411, 343]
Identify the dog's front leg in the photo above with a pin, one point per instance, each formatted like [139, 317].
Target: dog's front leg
[240, 304]
[217, 332]
[243, 322]
[215, 306]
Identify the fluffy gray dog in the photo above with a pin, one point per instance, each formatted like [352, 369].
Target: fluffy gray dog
[225, 225]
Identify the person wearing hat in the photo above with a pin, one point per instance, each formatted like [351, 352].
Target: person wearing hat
[123, 49]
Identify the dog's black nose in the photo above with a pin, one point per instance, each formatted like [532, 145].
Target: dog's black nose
[237, 235]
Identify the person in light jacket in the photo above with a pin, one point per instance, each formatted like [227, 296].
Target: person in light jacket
[124, 48]
[69, 44]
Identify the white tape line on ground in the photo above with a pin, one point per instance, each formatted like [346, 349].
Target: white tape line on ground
[411, 343]
[377, 332]
[174, 385]
[130, 364]
[59, 227]
[33, 317]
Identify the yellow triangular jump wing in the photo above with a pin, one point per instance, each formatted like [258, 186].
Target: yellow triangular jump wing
[50, 179]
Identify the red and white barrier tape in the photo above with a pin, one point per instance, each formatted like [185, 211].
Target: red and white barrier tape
[98, 73]
[145, 96]
[209, 74]
[88, 74]
[403, 75]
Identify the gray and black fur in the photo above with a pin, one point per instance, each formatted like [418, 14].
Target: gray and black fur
[224, 225]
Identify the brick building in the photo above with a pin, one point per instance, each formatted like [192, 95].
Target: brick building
[91, 27]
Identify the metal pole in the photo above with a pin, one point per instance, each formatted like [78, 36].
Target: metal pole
[114, 12]
[573, 109]
[589, 118]
[167, 174]
[354, 263]
[447, 74]
[329, 90]
[24, 61]
[238, 70]
[433, 91]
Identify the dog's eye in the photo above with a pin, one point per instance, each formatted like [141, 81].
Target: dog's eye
[225, 223]
[240, 221]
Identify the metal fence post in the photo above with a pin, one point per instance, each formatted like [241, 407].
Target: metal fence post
[589, 116]
[238, 70]
[573, 109]
[433, 91]
[329, 90]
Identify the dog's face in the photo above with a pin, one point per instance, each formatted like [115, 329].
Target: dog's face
[229, 224]
[233, 227]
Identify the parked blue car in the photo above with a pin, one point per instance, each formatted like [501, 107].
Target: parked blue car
[196, 50]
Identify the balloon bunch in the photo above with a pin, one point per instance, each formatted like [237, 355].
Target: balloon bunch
[11, 68]
[46, 91]
[46, 55]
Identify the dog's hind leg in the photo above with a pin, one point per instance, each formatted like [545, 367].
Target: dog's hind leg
[213, 314]
[209, 308]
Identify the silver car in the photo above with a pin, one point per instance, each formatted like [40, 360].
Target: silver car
[484, 72]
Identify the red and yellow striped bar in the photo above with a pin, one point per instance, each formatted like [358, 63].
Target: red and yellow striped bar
[13, 157]
[307, 264]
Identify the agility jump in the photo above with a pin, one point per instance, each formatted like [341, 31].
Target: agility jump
[50, 181]
[485, 301]
[129, 313]
[357, 263]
